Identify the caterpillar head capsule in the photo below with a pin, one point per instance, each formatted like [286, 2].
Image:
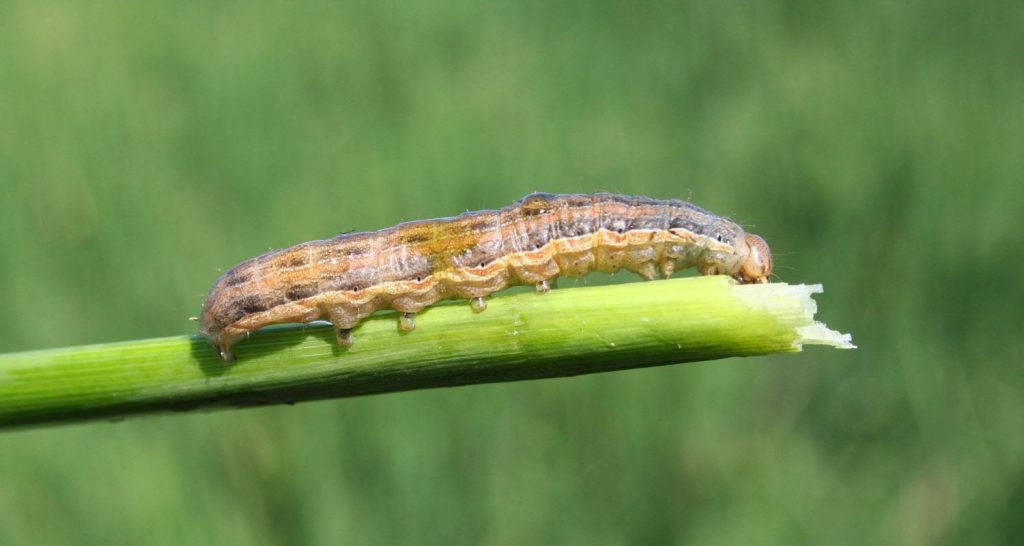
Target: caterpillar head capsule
[757, 265]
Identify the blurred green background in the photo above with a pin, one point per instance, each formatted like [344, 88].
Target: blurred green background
[878, 146]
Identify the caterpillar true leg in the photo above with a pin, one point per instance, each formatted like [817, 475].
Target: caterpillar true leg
[225, 353]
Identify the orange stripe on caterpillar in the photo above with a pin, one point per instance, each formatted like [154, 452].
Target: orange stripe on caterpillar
[413, 265]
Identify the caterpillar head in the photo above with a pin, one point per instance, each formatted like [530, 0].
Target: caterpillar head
[756, 266]
[732, 251]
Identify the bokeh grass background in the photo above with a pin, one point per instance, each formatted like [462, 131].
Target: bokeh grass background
[878, 146]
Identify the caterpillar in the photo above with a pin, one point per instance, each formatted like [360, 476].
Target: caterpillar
[415, 264]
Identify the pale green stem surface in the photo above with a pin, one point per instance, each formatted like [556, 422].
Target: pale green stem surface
[520, 336]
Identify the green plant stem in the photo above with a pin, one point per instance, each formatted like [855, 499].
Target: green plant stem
[520, 336]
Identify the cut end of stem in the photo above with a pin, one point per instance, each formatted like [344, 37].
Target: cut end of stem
[817, 333]
[778, 298]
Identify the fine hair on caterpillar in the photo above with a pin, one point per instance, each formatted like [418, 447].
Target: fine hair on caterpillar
[415, 264]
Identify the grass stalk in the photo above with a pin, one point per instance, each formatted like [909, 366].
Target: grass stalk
[520, 336]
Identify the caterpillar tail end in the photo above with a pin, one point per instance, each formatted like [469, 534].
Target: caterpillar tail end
[221, 344]
[225, 353]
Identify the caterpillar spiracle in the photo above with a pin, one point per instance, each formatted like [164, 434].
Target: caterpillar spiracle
[415, 264]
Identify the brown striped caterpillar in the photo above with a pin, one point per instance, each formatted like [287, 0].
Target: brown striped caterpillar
[413, 265]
